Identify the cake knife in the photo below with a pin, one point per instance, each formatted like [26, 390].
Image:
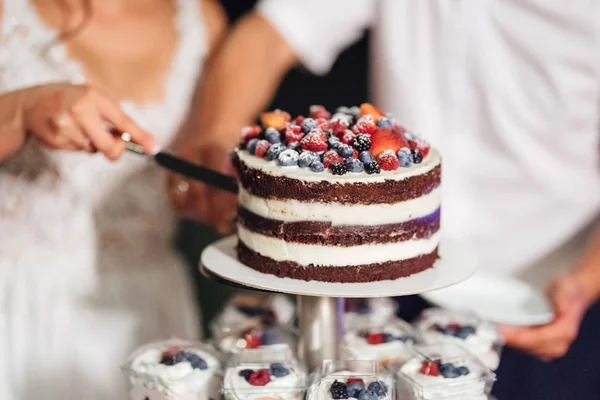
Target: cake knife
[185, 168]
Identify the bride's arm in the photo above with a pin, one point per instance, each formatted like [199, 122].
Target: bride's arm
[12, 131]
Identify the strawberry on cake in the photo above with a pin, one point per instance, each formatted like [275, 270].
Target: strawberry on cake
[348, 197]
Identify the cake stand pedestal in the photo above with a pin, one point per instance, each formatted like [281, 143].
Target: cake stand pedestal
[320, 304]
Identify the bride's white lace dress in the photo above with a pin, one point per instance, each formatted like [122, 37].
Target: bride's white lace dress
[87, 268]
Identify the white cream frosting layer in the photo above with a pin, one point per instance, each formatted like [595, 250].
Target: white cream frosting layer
[306, 254]
[289, 387]
[355, 347]
[291, 210]
[432, 160]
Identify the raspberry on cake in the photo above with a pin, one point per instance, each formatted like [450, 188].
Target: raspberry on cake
[276, 338]
[362, 205]
[174, 370]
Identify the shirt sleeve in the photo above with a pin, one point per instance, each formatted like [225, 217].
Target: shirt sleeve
[318, 30]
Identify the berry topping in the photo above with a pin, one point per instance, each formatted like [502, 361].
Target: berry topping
[278, 370]
[369, 109]
[275, 119]
[306, 158]
[405, 157]
[448, 371]
[419, 144]
[367, 395]
[355, 386]
[274, 151]
[409, 135]
[299, 120]
[388, 161]
[173, 355]
[378, 388]
[339, 390]
[351, 380]
[269, 337]
[462, 371]
[372, 167]
[347, 137]
[246, 373]
[338, 168]
[196, 361]
[261, 148]
[352, 111]
[388, 338]
[319, 112]
[315, 141]
[339, 125]
[366, 157]
[362, 142]
[317, 166]
[334, 142]
[363, 333]
[251, 146]
[429, 368]
[417, 156]
[252, 341]
[366, 125]
[375, 338]
[386, 139]
[260, 378]
[384, 122]
[288, 158]
[354, 165]
[293, 133]
[250, 132]
[330, 157]
[465, 331]
[273, 135]
[345, 150]
[309, 124]
[322, 123]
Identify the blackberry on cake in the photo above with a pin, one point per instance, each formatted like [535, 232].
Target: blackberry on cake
[340, 198]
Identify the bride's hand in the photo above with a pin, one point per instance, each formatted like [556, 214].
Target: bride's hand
[196, 200]
[73, 117]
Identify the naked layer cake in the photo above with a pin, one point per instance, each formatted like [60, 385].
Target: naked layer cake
[348, 197]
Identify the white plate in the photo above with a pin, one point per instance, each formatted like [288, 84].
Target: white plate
[499, 299]
[454, 266]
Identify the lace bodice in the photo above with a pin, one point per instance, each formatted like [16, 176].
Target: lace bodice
[72, 208]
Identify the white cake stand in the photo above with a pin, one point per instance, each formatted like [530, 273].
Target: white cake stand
[318, 311]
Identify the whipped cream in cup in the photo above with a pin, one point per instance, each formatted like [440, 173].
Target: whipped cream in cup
[264, 374]
[444, 372]
[361, 312]
[436, 325]
[174, 369]
[389, 344]
[351, 379]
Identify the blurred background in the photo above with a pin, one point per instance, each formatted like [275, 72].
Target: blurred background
[346, 84]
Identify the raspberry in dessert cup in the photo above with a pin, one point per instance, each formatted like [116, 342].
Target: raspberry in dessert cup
[174, 370]
[351, 379]
[264, 374]
[246, 311]
[360, 312]
[389, 344]
[444, 372]
[277, 339]
[480, 337]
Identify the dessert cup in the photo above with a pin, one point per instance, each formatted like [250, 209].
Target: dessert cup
[275, 338]
[174, 370]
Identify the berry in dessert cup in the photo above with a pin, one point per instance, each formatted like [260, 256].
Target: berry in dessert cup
[363, 312]
[174, 370]
[351, 379]
[264, 374]
[443, 372]
[480, 337]
[389, 344]
[275, 338]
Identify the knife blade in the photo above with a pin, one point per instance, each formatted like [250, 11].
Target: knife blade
[188, 169]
